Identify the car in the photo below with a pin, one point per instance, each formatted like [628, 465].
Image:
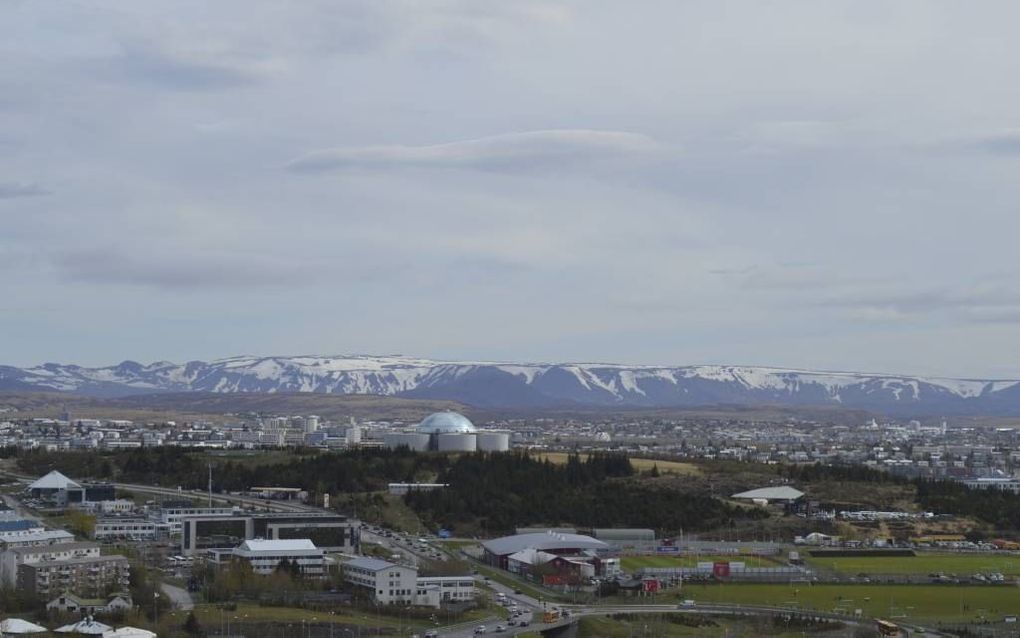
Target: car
[500, 628]
[431, 633]
[524, 623]
[480, 629]
[518, 591]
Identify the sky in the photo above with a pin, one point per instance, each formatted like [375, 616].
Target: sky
[823, 185]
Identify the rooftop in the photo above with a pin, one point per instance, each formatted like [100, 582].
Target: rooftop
[59, 547]
[514, 544]
[446, 423]
[782, 493]
[53, 481]
[284, 545]
[372, 564]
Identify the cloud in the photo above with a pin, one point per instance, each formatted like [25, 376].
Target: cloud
[189, 71]
[982, 303]
[13, 190]
[1002, 143]
[183, 270]
[511, 151]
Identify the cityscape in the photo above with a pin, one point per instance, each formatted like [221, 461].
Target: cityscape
[529, 318]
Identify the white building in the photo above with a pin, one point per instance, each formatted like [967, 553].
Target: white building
[265, 556]
[395, 584]
[171, 517]
[390, 584]
[10, 540]
[453, 589]
[133, 528]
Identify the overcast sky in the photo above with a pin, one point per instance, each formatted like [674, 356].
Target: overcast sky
[809, 184]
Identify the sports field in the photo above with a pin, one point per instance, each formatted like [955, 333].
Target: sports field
[923, 602]
[631, 564]
[959, 564]
[641, 465]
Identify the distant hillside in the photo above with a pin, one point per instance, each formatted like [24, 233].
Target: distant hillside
[505, 385]
[209, 406]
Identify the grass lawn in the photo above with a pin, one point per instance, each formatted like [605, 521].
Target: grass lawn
[211, 616]
[925, 602]
[641, 465]
[454, 545]
[673, 625]
[631, 564]
[960, 564]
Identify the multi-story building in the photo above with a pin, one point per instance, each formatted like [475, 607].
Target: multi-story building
[10, 540]
[172, 517]
[388, 583]
[13, 558]
[330, 532]
[135, 528]
[452, 589]
[91, 576]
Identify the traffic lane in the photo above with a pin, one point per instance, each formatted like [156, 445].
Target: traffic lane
[405, 546]
[509, 592]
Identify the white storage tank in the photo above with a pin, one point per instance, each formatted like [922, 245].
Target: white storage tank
[493, 441]
[413, 440]
[456, 442]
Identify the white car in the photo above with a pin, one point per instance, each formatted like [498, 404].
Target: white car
[480, 629]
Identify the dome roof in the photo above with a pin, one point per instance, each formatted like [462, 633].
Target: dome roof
[446, 423]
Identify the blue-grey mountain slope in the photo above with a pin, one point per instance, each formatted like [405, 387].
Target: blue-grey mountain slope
[506, 385]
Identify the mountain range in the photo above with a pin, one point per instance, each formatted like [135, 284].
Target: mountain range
[512, 385]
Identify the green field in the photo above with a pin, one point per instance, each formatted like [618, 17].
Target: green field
[923, 602]
[631, 564]
[682, 626]
[960, 564]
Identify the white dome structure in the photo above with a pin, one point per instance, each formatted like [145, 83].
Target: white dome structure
[446, 423]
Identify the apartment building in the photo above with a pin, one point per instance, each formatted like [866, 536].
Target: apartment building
[91, 576]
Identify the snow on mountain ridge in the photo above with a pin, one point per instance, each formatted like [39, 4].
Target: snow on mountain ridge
[499, 383]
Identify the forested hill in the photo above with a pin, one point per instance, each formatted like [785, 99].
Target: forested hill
[491, 493]
[488, 492]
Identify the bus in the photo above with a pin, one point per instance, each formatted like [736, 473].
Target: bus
[887, 628]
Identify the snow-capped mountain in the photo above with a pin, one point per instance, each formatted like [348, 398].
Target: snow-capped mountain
[530, 385]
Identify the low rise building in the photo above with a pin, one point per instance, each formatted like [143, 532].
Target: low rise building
[69, 603]
[391, 584]
[265, 556]
[124, 527]
[10, 540]
[386, 582]
[452, 589]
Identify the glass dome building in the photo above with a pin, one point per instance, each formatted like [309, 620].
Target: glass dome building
[446, 423]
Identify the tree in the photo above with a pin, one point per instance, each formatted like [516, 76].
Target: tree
[192, 627]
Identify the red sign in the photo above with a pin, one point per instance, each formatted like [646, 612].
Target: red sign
[721, 570]
[650, 586]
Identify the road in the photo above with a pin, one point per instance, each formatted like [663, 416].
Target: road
[180, 597]
[709, 610]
